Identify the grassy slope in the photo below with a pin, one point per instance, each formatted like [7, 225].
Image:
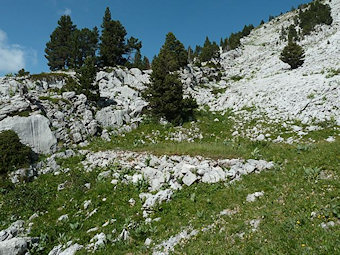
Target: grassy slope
[292, 192]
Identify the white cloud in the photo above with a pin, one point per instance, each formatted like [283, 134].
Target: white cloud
[12, 57]
[67, 11]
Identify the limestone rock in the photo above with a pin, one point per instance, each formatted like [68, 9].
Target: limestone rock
[109, 117]
[189, 178]
[254, 196]
[14, 246]
[33, 131]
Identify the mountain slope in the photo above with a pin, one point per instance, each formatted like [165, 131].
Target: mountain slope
[309, 93]
[257, 172]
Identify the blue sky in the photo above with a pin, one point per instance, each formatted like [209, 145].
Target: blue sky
[25, 25]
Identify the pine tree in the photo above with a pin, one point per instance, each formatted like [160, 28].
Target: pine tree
[190, 55]
[317, 13]
[209, 50]
[114, 49]
[197, 52]
[247, 29]
[113, 45]
[86, 76]
[133, 46]
[58, 49]
[293, 54]
[84, 43]
[235, 40]
[146, 63]
[165, 93]
[137, 61]
[173, 53]
[225, 44]
[292, 33]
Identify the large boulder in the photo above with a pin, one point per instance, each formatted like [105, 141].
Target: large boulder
[33, 131]
[109, 117]
[15, 104]
[14, 246]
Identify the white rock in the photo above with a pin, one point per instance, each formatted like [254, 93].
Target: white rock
[235, 133]
[214, 175]
[261, 137]
[87, 204]
[114, 182]
[327, 225]
[124, 235]
[252, 197]
[71, 250]
[132, 202]
[148, 242]
[15, 246]
[99, 240]
[189, 178]
[152, 200]
[330, 139]
[33, 131]
[92, 230]
[255, 224]
[63, 217]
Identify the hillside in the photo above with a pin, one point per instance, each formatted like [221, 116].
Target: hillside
[257, 171]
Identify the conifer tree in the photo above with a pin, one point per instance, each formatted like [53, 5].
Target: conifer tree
[133, 45]
[209, 50]
[292, 33]
[247, 29]
[165, 93]
[114, 46]
[86, 76]
[137, 61]
[293, 54]
[235, 40]
[198, 50]
[84, 43]
[190, 55]
[146, 63]
[317, 13]
[58, 49]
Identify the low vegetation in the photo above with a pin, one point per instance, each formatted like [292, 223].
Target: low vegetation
[13, 154]
[300, 194]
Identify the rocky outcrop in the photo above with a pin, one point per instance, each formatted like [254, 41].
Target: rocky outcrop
[166, 175]
[12, 241]
[14, 246]
[72, 117]
[33, 131]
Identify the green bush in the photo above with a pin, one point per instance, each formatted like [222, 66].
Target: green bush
[22, 73]
[13, 154]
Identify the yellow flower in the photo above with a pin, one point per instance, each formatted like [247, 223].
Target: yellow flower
[298, 222]
[303, 245]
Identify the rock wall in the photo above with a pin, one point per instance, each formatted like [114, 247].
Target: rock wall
[33, 131]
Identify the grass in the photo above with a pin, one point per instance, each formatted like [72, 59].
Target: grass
[54, 100]
[332, 73]
[236, 78]
[215, 91]
[292, 192]
[48, 77]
